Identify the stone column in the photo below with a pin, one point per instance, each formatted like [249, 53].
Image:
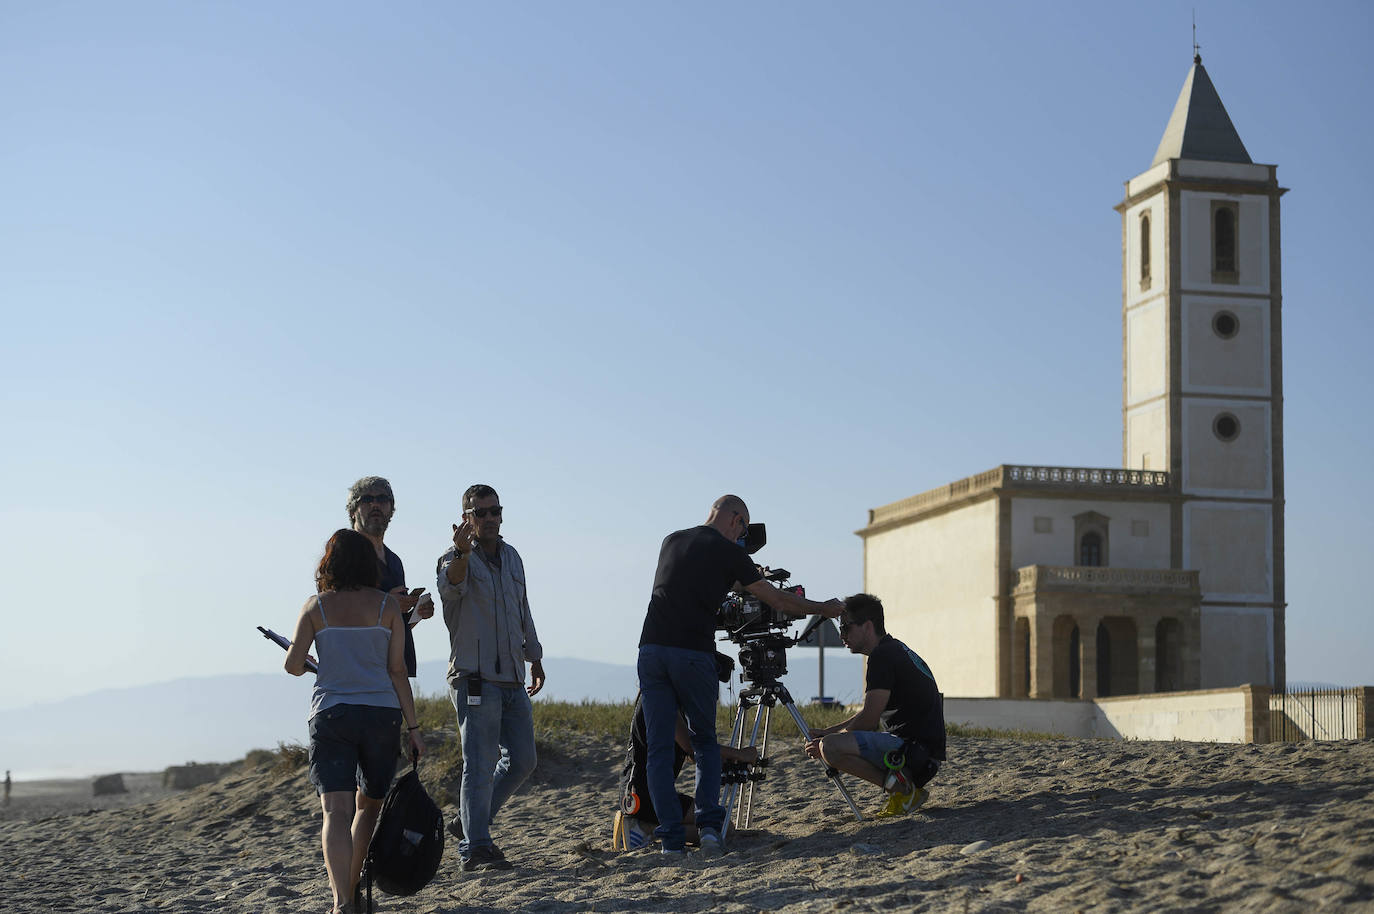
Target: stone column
[1190, 648]
[1145, 629]
[1019, 658]
[1087, 646]
[1042, 652]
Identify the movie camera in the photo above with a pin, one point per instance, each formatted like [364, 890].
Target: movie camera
[755, 626]
[759, 629]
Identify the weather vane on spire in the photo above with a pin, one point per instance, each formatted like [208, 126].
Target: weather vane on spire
[1197, 58]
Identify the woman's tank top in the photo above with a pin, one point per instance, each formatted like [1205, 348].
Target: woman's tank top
[353, 664]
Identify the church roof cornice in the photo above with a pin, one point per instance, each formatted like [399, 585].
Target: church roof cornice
[1067, 482]
[1200, 176]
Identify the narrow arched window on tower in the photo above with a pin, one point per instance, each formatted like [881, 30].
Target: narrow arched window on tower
[1144, 251]
[1224, 265]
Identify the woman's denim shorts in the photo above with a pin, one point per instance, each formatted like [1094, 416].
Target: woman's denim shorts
[355, 746]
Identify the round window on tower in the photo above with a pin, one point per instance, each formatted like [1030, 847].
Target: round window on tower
[1225, 324]
[1226, 427]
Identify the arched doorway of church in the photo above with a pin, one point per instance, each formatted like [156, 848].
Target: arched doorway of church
[1116, 656]
[1168, 664]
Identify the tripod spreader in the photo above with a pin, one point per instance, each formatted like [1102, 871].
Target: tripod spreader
[742, 772]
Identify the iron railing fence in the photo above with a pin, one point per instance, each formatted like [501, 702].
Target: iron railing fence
[1315, 714]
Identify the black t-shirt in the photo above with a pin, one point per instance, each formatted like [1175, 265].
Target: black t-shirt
[915, 710]
[696, 568]
[393, 576]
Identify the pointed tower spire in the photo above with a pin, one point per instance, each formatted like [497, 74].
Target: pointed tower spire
[1200, 128]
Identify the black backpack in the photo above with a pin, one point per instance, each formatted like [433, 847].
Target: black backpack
[409, 841]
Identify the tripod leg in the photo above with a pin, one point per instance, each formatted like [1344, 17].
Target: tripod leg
[766, 711]
[829, 772]
[736, 734]
[747, 790]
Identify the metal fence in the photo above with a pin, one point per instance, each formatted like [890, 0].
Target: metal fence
[1324, 714]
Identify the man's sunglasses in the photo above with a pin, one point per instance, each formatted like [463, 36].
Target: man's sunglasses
[369, 499]
[494, 511]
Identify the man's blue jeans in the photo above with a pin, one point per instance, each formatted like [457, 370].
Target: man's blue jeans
[673, 679]
[498, 755]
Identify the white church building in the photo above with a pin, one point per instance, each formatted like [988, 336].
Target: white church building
[1166, 573]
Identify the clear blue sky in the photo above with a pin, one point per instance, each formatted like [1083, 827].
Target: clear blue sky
[614, 259]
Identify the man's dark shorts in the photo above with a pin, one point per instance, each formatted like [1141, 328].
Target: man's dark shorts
[355, 746]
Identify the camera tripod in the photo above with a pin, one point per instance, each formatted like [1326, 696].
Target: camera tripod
[761, 696]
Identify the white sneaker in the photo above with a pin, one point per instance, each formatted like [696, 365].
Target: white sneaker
[637, 836]
[711, 845]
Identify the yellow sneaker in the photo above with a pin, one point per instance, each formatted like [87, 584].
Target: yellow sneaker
[903, 802]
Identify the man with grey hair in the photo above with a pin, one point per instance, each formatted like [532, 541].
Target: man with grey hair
[371, 505]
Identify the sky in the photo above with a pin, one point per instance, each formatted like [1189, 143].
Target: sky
[614, 259]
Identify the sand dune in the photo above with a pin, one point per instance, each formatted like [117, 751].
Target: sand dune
[1042, 826]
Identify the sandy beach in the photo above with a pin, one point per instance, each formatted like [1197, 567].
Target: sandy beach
[1057, 825]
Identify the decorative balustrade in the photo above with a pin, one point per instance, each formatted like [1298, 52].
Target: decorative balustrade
[1088, 578]
[1023, 477]
[1153, 479]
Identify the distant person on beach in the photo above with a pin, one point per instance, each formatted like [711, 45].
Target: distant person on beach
[697, 567]
[902, 718]
[481, 582]
[371, 505]
[637, 818]
[8, 785]
[360, 699]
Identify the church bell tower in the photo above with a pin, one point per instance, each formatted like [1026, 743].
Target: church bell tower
[1202, 395]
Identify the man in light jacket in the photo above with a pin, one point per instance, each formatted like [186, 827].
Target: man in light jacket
[481, 582]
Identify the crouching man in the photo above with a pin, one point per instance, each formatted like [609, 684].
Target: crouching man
[897, 740]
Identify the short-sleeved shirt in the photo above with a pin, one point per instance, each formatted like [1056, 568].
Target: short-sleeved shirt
[696, 568]
[915, 710]
[393, 576]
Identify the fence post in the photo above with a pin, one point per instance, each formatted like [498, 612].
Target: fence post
[1364, 712]
[1256, 713]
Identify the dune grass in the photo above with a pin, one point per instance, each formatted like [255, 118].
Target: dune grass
[611, 721]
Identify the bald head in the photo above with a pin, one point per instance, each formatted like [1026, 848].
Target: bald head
[730, 515]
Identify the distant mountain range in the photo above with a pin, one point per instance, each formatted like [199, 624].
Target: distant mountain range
[220, 718]
[216, 718]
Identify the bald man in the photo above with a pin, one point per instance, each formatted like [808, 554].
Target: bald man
[697, 568]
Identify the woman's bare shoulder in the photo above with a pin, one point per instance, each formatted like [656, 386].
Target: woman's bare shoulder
[357, 607]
